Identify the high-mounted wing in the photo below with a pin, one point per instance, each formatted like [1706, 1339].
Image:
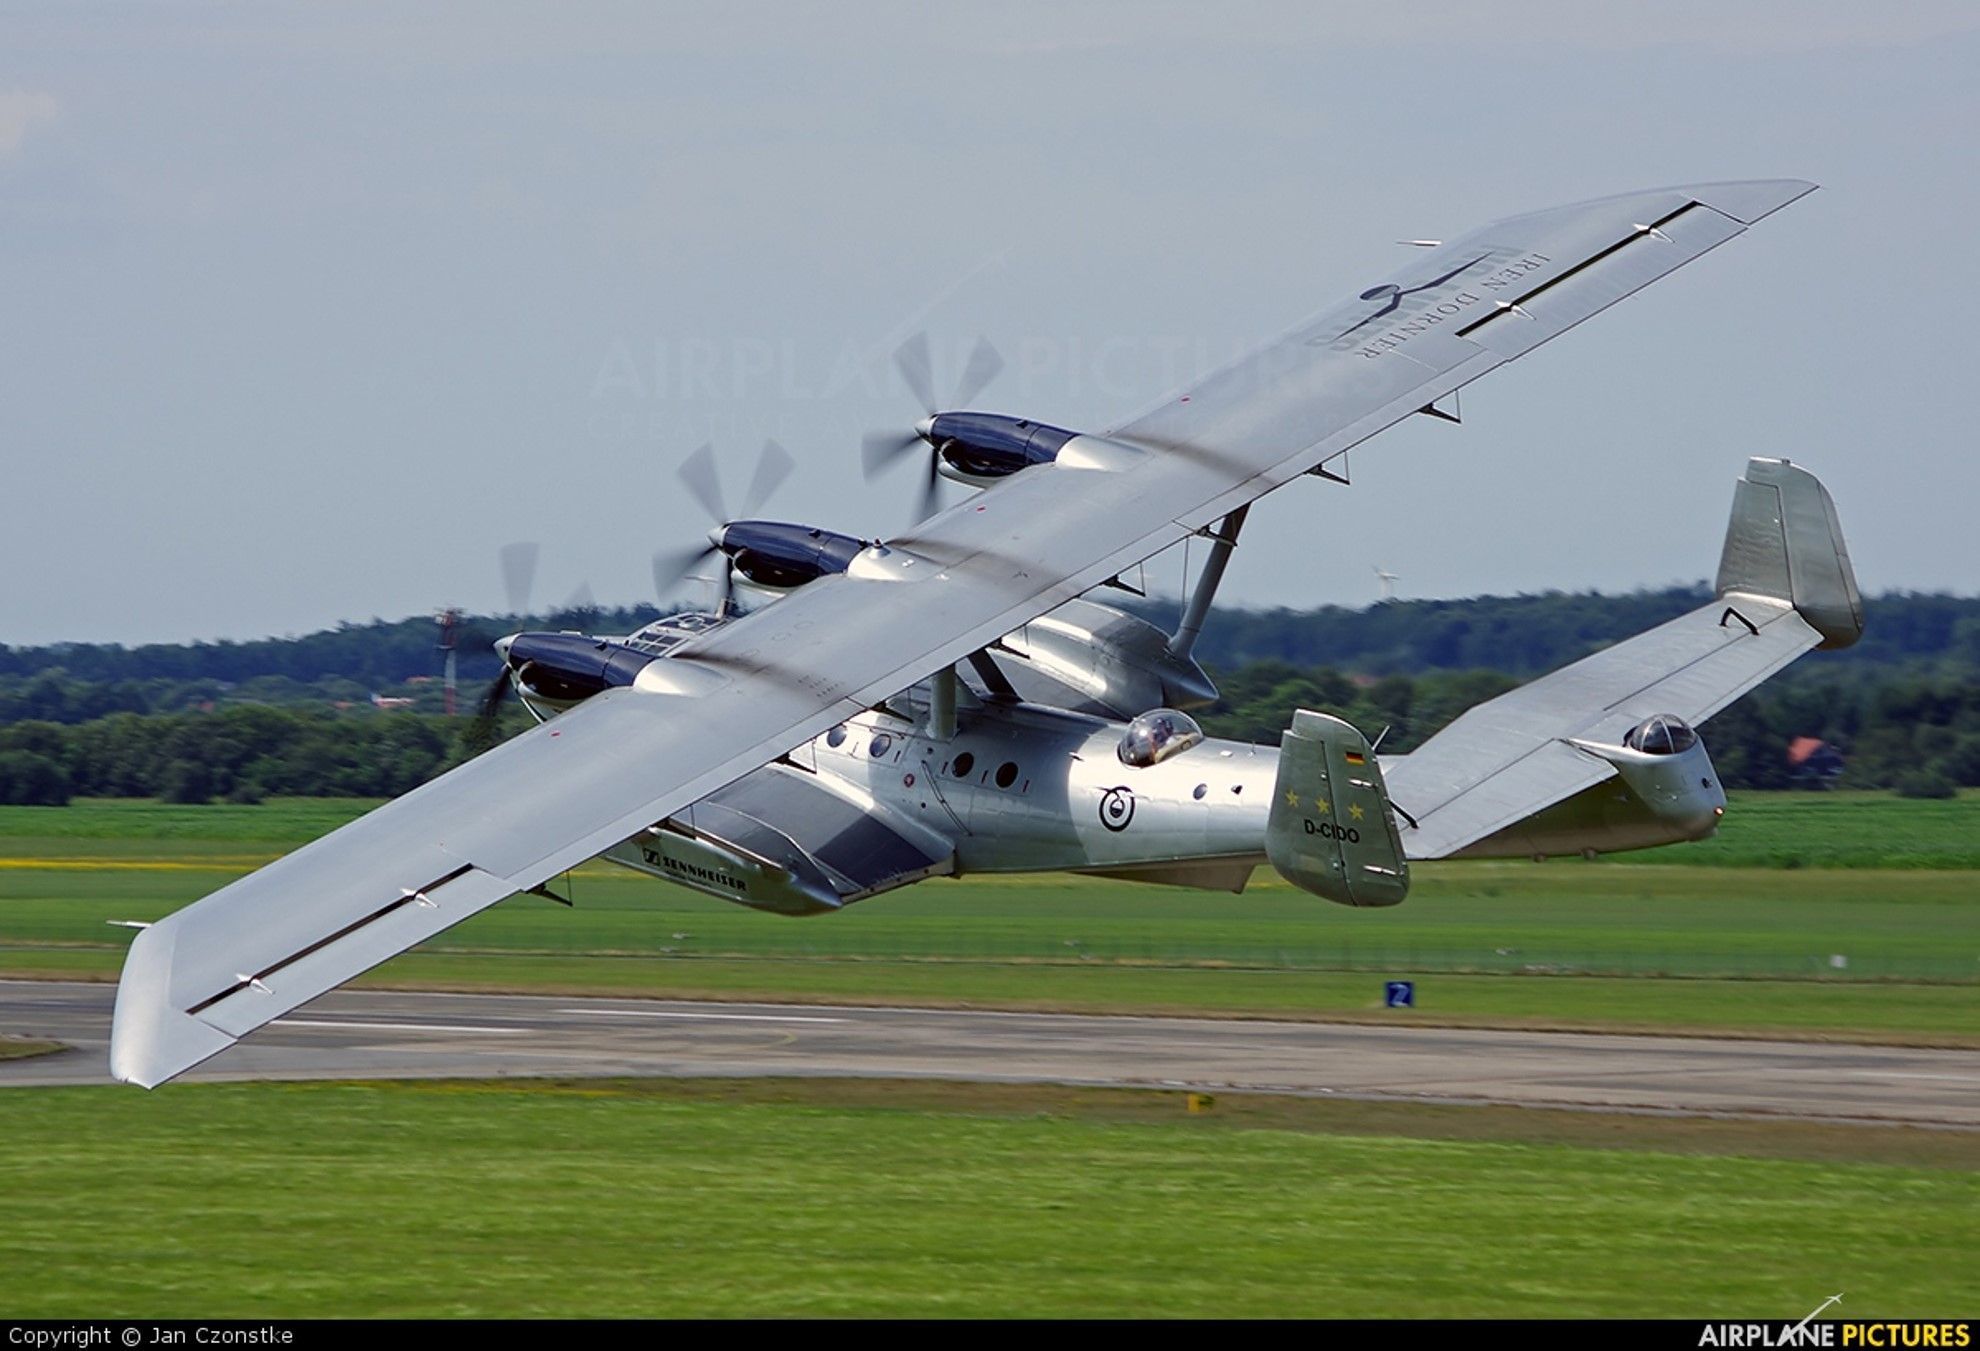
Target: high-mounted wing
[1785, 585]
[735, 699]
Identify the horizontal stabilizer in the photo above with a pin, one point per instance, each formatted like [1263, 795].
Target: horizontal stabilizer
[1480, 785]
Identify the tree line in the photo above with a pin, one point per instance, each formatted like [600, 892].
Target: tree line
[1529, 635]
[294, 716]
[1918, 732]
[239, 754]
[1520, 635]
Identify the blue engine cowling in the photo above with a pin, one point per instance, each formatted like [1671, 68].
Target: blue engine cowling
[980, 448]
[781, 556]
[565, 668]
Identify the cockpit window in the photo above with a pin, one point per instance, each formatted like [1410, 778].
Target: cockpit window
[1662, 734]
[1156, 735]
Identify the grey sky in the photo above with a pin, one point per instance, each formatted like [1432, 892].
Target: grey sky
[308, 310]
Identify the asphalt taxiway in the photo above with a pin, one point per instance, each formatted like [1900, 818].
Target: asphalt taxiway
[380, 1034]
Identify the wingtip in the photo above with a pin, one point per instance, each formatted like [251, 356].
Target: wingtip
[152, 1041]
[1749, 200]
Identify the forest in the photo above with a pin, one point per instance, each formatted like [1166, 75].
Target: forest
[356, 711]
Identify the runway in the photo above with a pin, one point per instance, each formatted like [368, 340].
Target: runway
[377, 1034]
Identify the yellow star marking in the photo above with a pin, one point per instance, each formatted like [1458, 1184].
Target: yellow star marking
[1322, 806]
[1292, 798]
[1354, 810]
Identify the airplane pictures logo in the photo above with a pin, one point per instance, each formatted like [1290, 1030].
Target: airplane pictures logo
[1874, 1335]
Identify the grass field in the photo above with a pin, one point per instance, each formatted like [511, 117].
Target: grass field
[1837, 830]
[683, 1199]
[1816, 950]
[1772, 830]
[791, 1197]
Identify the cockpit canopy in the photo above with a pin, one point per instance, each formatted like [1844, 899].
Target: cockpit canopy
[1661, 734]
[1156, 735]
[663, 635]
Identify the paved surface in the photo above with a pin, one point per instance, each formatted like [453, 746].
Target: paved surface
[366, 1034]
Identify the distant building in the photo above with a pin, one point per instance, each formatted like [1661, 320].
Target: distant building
[388, 701]
[1813, 762]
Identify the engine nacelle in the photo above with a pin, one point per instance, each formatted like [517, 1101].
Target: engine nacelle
[980, 448]
[561, 669]
[553, 671]
[768, 559]
[1092, 658]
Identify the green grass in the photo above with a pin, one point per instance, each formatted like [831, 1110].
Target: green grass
[1770, 830]
[1507, 917]
[21, 1048]
[1890, 1013]
[281, 823]
[1838, 830]
[1500, 943]
[662, 1199]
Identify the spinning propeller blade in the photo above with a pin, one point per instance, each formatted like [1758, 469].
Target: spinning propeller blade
[879, 450]
[704, 482]
[480, 734]
[984, 365]
[698, 473]
[882, 450]
[917, 370]
[773, 466]
[519, 574]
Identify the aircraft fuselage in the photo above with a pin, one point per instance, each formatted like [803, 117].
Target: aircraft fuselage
[1016, 788]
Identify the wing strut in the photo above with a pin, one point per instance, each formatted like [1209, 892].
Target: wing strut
[992, 675]
[1221, 545]
[941, 722]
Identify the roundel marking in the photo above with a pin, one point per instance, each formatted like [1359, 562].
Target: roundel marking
[1117, 808]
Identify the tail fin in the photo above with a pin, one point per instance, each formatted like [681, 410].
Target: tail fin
[1332, 830]
[1784, 541]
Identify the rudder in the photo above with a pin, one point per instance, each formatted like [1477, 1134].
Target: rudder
[1785, 541]
[1332, 830]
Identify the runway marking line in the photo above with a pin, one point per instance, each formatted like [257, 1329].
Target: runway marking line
[215, 863]
[717, 1017]
[1907, 1074]
[396, 1027]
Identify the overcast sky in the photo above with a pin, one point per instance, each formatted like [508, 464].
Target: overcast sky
[308, 310]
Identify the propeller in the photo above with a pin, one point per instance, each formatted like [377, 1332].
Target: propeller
[482, 732]
[581, 601]
[519, 583]
[703, 481]
[882, 450]
[519, 574]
